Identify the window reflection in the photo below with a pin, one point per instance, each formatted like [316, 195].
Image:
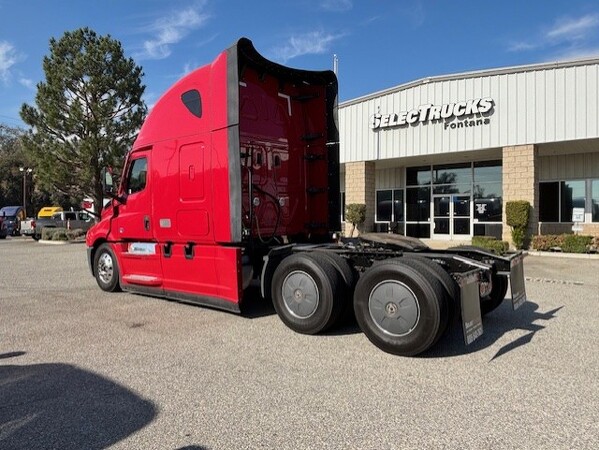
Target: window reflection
[453, 174]
[595, 200]
[572, 196]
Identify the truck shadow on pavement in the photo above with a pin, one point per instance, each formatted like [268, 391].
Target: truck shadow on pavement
[66, 407]
[527, 318]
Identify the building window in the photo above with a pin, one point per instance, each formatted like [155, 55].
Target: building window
[384, 206]
[389, 205]
[398, 205]
[595, 200]
[557, 199]
[418, 204]
[572, 196]
[487, 171]
[418, 176]
[453, 174]
[487, 191]
[549, 202]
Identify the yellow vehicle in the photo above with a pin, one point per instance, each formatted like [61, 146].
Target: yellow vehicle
[47, 211]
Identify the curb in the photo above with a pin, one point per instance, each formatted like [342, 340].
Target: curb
[564, 255]
[42, 241]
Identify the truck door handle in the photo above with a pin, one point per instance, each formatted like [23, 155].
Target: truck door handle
[147, 223]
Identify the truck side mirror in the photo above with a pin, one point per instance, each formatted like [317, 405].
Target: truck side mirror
[107, 183]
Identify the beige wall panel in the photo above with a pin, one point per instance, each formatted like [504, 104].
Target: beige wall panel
[389, 178]
[568, 167]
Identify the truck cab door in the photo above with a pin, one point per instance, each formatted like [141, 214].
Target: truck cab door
[133, 226]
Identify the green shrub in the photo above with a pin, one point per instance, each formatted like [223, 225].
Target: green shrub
[570, 243]
[518, 237]
[516, 215]
[48, 233]
[54, 234]
[491, 244]
[355, 213]
[75, 234]
[576, 243]
[60, 234]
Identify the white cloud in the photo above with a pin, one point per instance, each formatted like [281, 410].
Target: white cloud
[568, 29]
[311, 43]
[337, 5]
[576, 53]
[170, 30]
[28, 83]
[522, 46]
[567, 35]
[8, 58]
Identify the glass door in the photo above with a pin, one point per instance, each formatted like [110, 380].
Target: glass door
[451, 216]
[460, 216]
[442, 216]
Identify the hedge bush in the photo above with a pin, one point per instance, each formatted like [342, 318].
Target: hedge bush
[577, 243]
[546, 242]
[516, 213]
[61, 234]
[355, 213]
[569, 243]
[491, 244]
[516, 216]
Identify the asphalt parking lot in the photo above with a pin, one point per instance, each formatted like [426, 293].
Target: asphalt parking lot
[83, 369]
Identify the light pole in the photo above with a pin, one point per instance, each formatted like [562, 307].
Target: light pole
[25, 171]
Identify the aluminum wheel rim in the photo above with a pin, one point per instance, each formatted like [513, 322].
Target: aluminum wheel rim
[394, 308]
[105, 268]
[300, 294]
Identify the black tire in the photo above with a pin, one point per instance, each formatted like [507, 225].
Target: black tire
[106, 269]
[426, 267]
[495, 298]
[304, 293]
[399, 283]
[346, 286]
[450, 286]
[36, 237]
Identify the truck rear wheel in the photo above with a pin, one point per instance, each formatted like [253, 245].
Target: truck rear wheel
[450, 286]
[495, 298]
[399, 308]
[347, 283]
[304, 293]
[433, 275]
[106, 269]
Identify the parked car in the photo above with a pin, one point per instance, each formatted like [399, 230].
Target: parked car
[3, 230]
[12, 216]
[47, 211]
[63, 219]
[28, 225]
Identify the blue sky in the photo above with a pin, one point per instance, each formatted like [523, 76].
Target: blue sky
[379, 44]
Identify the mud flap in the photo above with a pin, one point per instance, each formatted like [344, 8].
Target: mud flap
[472, 322]
[517, 281]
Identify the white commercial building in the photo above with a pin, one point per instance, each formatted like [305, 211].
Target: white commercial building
[440, 157]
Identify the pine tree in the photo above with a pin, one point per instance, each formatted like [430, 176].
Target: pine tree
[86, 113]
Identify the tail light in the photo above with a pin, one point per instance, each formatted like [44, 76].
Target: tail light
[33, 224]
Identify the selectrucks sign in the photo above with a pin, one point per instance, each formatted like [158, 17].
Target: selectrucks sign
[432, 113]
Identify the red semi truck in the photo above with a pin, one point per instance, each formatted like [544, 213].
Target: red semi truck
[234, 177]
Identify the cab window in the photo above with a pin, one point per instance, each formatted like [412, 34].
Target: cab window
[137, 176]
